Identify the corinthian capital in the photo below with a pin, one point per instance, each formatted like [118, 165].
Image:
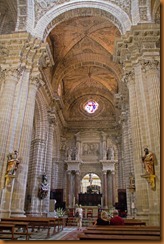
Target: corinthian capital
[10, 73]
[129, 77]
[36, 80]
[150, 65]
[52, 117]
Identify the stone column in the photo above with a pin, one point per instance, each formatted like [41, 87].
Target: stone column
[77, 186]
[104, 149]
[20, 103]
[151, 70]
[114, 187]
[6, 107]
[110, 191]
[78, 148]
[137, 144]
[35, 171]
[68, 189]
[105, 188]
[24, 150]
[48, 166]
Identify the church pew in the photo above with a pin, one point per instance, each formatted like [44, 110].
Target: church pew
[123, 232]
[7, 231]
[33, 222]
[123, 227]
[38, 222]
[118, 232]
[134, 222]
[125, 237]
[19, 225]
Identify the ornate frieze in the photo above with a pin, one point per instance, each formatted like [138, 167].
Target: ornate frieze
[143, 13]
[42, 6]
[4, 52]
[123, 4]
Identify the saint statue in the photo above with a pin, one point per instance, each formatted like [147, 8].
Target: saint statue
[44, 186]
[148, 160]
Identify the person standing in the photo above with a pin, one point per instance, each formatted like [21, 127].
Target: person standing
[79, 216]
[116, 219]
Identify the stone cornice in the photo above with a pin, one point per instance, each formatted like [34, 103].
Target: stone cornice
[73, 165]
[108, 164]
[142, 40]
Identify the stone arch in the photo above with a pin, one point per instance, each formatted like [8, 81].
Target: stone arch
[96, 172]
[156, 11]
[57, 15]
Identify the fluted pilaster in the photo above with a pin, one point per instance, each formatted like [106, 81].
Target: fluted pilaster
[105, 196]
[68, 188]
[48, 166]
[137, 144]
[77, 186]
[24, 150]
[6, 105]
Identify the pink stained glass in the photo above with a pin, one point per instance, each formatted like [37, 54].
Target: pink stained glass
[91, 106]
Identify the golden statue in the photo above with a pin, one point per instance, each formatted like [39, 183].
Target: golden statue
[149, 161]
[12, 166]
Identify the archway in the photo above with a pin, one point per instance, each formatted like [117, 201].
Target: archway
[90, 190]
[91, 183]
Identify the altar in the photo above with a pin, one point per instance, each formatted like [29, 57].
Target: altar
[90, 199]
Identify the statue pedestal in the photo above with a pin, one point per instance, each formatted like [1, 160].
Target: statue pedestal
[150, 179]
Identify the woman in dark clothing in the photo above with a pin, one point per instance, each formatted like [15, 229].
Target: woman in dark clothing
[103, 220]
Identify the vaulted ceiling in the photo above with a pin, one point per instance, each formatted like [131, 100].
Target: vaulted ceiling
[82, 49]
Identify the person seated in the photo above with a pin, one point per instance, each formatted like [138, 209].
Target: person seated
[116, 219]
[103, 219]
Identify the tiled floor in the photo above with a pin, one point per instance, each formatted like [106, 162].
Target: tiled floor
[68, 233]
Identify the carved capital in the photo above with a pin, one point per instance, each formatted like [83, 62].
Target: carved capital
[36, 80]
[10, 74]
[123, 117]
[129, 77]
[52, 117]
[148, 65]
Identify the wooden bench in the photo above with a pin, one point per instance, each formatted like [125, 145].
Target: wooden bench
[38, 222]
[123, 227]
[134, 222]
[7, 230]
[124, 232]
[84, 236]
[32, 222]
[19, 225]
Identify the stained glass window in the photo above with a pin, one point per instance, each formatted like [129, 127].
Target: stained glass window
[91, 106]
